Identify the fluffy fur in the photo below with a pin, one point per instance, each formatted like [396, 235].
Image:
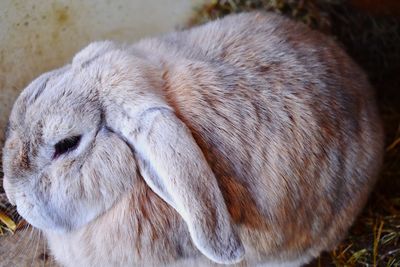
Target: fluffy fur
[248, 140]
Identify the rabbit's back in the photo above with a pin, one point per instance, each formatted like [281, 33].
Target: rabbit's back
[286, 120]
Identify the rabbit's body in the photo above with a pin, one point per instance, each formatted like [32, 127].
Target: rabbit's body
[285, 120]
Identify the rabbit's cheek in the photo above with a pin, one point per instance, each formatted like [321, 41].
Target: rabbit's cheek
[8, 190]
[34, 213]
[37, 206]
[50, 213]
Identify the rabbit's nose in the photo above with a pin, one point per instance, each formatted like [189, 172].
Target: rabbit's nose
[7, 188]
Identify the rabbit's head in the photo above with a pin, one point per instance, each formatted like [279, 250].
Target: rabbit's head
[79, 136]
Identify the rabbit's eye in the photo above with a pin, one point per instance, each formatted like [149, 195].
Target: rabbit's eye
[66, 145]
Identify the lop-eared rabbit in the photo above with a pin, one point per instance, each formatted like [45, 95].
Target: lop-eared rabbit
[251, 140]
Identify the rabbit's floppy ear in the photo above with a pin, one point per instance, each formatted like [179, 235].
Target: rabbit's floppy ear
[175, 168]
[91, 52]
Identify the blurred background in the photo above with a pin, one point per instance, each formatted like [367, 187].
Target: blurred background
[36, 36]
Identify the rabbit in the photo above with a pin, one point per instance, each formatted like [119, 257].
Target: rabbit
[251, 140]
